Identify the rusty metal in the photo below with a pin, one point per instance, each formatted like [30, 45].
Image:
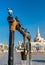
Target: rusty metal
[11, 48]
[11, 40]
[30, 52]
[14, 24]
[24, 53]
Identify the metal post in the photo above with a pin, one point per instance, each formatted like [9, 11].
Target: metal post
[25, 42]
[11, 48]
[24, 53]
[30, 52]
[12, 28]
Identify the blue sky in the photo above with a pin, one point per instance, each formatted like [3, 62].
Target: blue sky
[31, 14]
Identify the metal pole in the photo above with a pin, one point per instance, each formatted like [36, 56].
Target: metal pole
[29, 52]
[24, 42]
[12, 28]
[11, 48]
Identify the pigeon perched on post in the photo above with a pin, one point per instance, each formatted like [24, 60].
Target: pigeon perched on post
[10, 17]
[10, 11]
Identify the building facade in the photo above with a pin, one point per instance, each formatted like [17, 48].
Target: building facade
[37, 46]
[39, 43]
[4, 47]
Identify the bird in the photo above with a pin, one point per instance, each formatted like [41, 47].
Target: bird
[10, 11]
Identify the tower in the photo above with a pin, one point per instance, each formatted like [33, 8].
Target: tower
[38, 37]
[38, 33]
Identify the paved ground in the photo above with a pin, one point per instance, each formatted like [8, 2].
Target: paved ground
[37, 59]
